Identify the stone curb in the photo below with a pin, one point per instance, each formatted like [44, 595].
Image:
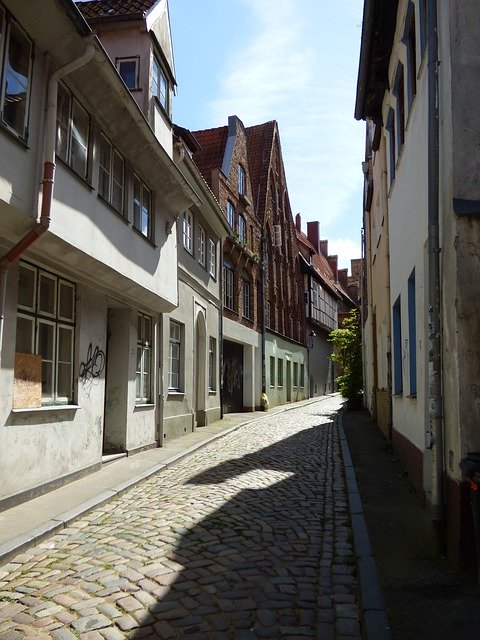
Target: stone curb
[375, 623]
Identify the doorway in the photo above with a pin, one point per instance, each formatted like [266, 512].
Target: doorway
[200, 370]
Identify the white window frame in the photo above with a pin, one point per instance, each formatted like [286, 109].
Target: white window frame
[142, 207]
[175, 356]
[160, 86]
[212, 258]
[109, 181]
[129, 59]
[202, 246]
[230, 214]
[68, 124]
[228, 287]
[50, 316]
[8, 25]
[272, 371]
[143, 393]
[187, 231]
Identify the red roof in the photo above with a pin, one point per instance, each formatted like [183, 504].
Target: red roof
[210, 154]
[115, 8]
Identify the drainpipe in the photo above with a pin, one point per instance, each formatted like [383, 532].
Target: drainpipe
[435, 401]
[43, 222]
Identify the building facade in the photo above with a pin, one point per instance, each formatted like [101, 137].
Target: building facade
[427, 115]
[87, 259]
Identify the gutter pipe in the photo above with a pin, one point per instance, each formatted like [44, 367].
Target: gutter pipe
[43, 222]
[435, 402]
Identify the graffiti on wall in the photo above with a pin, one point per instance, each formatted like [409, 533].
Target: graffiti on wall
[232, 375]
[93, 366]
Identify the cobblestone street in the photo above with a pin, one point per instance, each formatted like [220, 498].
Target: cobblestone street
[246, 538]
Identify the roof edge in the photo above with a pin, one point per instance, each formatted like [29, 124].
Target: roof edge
[75, 16]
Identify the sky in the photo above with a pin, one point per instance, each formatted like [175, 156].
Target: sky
[293, 61]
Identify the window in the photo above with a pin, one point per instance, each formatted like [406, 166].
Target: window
[397, 347]
[45, 327]
[144, 359]
[202, 246]
[272, 371]
[188, 231]
[142, 207]
[242, 230]
[212, 258]
[302, 375]
[161, 87]
[212, 364]
[111, 179]
[241, 180]
[391, 145]
[279, 372]
[410, 40]
[230, 214]
[73, 125]
[246, 298]
[295, 374]
[16, 62]
[399, 92]
[228, 288]
[128, 70]
[412, 333]
[174, 382]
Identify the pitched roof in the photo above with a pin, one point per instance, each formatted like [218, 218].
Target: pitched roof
[94, 9]
[259, 143]
[210, 154]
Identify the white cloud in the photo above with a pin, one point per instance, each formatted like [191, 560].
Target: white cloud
[346, 250]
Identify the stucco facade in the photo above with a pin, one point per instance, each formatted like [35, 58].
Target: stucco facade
[87, 260]
[433, 226]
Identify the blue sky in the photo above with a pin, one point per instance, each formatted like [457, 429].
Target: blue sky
[294, 61]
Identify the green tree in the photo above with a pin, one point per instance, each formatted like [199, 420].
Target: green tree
[347, 341]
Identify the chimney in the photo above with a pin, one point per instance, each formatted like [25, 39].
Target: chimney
[298, 222]
[324, 247]
[343, 278]
[333, 262]
[313, 235]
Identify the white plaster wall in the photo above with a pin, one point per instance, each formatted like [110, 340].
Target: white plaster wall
[288, 351]
[408, 219]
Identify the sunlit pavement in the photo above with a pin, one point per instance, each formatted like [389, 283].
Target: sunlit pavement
[246, 538]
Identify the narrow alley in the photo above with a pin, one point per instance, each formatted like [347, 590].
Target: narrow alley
[246, 538]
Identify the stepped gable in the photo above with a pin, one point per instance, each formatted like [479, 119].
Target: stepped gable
[209, 156]
[115, 8]
[259, 144]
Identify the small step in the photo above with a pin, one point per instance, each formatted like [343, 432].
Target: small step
[113, 457]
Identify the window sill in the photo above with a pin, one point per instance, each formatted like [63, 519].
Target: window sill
[144, 405]
[172, 392]
[112, 208]
[48, 407]
[14, 136]
[146, 238]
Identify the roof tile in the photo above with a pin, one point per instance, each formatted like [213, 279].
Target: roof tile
[94, 9]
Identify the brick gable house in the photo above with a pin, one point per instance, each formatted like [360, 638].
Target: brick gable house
[263, 346]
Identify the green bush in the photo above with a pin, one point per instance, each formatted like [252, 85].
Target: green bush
[347, 341]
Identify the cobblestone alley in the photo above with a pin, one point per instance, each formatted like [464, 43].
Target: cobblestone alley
[246, 538]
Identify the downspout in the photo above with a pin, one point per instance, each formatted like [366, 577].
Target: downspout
[435, 401]
[43, 222]
[220, 276]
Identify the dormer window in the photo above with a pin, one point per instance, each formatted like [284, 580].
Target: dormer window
[160, 86]
[128, 70]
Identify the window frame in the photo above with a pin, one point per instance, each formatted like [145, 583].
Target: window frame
[110, 172]
[202, 246]
[68, 156]
[241, 180]
[45, 315]
[187, 231]
[137, 222]
[242, 229]
[144, 364]
[272, 372]
[212, 258]
[246, 298]
[397, 347]
[212, 364]
[7, 25]
[280, 373]
[175, 345]
[159, 79]
[136, 61]
[230, 214]
[228, 286]
[412, 333]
